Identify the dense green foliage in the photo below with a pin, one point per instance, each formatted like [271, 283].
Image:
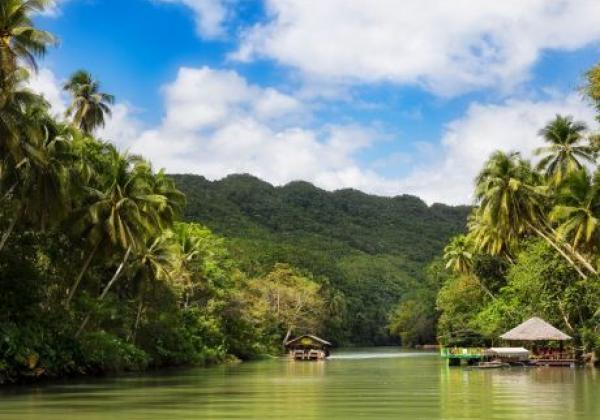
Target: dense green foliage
[533, 243]
[369, 251]
[96, 272]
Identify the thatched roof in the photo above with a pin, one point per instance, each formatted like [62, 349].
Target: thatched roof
[313, 337]
[535, 329]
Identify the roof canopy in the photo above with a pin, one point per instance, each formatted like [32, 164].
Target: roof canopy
[308, 336]
[535, 329]
[509, 351]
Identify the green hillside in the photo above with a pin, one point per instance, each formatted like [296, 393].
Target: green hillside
[372, 250]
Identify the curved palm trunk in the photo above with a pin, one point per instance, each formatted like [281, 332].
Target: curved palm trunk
[485, 289]
[84, 269]
[558, 249]
[581, 259]
[586, 264]
[114, 278]
[138, 318]
[287, 336]
[8, 232]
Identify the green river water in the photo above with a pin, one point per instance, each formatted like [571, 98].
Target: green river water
[368, 383]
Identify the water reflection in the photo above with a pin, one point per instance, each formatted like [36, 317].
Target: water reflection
[367, 383]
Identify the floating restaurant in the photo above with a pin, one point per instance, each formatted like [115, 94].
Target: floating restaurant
[308, 347]
[537, 344]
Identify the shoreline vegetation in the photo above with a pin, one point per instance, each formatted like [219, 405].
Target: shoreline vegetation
[107, 266]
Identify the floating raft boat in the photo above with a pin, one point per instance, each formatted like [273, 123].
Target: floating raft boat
[308, 347]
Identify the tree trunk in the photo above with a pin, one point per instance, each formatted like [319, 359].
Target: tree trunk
[287, 335]
[8, 232]
[588, 266]
[581, 259]
[565, 317]
[485, 289]
[137, 321]
[558, 249]
[84, 269]
[115, 277]
[9, 192]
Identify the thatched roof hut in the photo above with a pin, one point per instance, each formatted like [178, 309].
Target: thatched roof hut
[535, 329]
[307, 341]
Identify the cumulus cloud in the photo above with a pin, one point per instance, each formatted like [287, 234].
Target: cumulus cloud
[216, 124]
[485, 128]
[448, 47]
[45, 83]
[210, 15]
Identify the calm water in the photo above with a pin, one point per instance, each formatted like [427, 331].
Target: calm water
[370, 383]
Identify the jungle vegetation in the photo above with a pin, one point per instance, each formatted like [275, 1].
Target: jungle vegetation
[98, 272]
[533, 241]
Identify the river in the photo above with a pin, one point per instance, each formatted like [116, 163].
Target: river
[376, 383]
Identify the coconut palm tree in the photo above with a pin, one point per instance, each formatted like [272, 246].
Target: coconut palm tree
[89, 107]
[14, 104]
[37, 170]
[458, 255]
[578, 209]
[19, 39]
[115, 214]
[511, 200]
[490, 240]
[566, 151]
[159, 260]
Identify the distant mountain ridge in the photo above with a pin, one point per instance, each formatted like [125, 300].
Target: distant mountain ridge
[372, 248]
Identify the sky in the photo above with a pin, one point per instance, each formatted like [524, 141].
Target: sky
[389, 97]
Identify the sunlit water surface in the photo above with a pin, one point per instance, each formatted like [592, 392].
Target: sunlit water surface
[368, 383]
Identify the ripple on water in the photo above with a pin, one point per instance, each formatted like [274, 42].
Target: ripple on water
[367, 383]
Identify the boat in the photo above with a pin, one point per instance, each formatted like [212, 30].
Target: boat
[308, 347]
[494, 364]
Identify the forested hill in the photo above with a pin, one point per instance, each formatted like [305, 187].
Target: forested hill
[373, 249]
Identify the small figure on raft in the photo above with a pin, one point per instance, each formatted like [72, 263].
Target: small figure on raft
[308, 347]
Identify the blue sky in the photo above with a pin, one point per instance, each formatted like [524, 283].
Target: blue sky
[341, 93]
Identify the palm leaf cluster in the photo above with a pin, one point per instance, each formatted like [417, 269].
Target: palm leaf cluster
[558, 201]
[55, 174]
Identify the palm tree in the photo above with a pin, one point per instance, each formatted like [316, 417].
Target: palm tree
[578, 208]
[458, 255]
[158, 261]
[90, 106]
[566, 151]
[490, 240]
[115, 214]
[40, 177]
[14, 105]
[511, 201]
[19, 39]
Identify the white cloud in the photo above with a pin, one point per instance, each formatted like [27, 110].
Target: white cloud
[469, 141]
[210, 15]
[54, 8]
[446, 46]
[216, 124]
[45, 83]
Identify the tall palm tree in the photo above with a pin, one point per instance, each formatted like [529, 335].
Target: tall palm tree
[114, 214]
[566, 151]
[490, 240]
[159, 260]
[578, 209]
[90, 106]
[38, 172]
[19, 39]
[14, 105]
[458, 255]
[511, 201]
